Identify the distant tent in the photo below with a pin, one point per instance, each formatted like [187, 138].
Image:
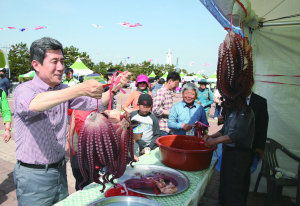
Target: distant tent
[213, 78]
[152, 75]
[80, 69]
[182, 74]
[165, 75]
[214, 75]
[97, 77]
[199, 76]
[27, 76]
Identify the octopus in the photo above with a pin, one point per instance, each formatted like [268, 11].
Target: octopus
[156, 180]
[234, 71]
[103, 143]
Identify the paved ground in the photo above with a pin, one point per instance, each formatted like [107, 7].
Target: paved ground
[8, 160]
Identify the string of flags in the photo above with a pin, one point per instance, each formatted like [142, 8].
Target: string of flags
[126, 24]
[24, 29]
[97, 26]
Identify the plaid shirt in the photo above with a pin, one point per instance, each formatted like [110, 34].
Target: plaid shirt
[162, 101]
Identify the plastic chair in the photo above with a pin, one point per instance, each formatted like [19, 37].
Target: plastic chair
[269, 162]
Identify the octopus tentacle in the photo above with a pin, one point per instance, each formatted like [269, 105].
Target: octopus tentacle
[103, 144]
[123, 158]
[99, 147]
[131, 145]
[82, 139]
[113, 135]
[108, 147]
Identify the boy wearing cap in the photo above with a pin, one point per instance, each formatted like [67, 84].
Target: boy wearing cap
[149, 123]
[70, 80]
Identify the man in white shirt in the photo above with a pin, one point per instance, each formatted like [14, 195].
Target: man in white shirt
[132, 85]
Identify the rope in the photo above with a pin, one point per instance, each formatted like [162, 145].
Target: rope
[243, 7]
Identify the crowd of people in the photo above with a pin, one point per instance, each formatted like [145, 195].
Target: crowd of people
[47, 107]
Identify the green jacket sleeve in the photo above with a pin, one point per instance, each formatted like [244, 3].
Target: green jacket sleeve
[5, 110]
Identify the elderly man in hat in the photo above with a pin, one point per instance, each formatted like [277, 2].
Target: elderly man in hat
[205, 96]
[70, 80]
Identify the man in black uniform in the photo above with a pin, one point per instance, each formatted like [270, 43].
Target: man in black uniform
[236, 136]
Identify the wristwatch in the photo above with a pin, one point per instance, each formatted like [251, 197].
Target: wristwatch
[8, 129]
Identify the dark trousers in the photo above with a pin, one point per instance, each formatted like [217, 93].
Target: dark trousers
[217, 111]
[163, 133]
[79, 178]
[245, 191]
[232, 178]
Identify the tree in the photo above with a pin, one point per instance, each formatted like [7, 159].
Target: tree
[186, 72]
[204, 76]
[72, 53]
[170, 68]
[159, 70]
[19, 60]
[101, 68]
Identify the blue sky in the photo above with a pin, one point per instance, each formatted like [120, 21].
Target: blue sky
[186, 27]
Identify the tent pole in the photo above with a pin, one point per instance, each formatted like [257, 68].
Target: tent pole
[261, 24]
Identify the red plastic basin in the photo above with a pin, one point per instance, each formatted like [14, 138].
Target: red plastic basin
[184, 152]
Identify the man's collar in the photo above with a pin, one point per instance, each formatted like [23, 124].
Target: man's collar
[166, 88]
[249, 95]
[186, 105]
[69, 79]
[42, 85]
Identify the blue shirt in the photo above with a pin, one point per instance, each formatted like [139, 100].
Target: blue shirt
[203, 98]
[155, 88]
[181, 113]
[5, 85]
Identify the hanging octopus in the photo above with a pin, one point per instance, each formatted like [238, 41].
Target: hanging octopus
[104, 144]
[105, 141]
[234, 72]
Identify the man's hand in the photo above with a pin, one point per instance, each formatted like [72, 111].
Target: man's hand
[113, 115]
[6, 136]
[124, 77]
[260, 152]
[136, 158]
[206, 137]
[210, 142]
[186, 127]
[198, 102]
[91, 88]
[221, 119]
[195, 125]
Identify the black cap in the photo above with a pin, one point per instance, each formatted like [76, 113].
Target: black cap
[151, 79]
[145, 99]
[69, 70]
